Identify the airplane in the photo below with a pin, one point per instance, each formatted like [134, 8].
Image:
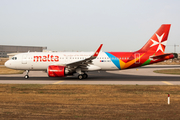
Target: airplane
[62, 64]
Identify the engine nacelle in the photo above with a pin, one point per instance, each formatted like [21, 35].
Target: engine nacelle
[57, 71]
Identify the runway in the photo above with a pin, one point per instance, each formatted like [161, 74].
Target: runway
[138, 76]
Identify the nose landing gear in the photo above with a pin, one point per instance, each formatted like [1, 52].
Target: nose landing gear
[26, 76]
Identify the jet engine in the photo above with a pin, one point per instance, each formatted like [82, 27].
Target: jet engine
[57, 71]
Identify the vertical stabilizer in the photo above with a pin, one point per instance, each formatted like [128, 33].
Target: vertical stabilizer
[157, 43]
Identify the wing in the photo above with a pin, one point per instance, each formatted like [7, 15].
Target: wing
[84, 63]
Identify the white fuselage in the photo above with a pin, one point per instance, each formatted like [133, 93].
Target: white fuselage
[39, 61]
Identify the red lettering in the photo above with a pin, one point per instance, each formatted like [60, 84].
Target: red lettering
[48, 58]
[44, 59]
[52, 58]
[56, 59]
[37, 58]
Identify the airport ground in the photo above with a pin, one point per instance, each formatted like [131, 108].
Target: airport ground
[90, 102]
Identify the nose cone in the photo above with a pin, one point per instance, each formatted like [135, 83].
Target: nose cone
[7, 64]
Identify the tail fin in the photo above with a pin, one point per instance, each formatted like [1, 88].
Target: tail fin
[157, 42]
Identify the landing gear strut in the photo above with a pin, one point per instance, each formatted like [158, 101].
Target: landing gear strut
[82, 75]
[26, 76]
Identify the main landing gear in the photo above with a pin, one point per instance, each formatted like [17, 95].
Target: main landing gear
[82, 76]
[26, 76]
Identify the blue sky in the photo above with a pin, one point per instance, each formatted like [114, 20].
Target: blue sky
[82, 25]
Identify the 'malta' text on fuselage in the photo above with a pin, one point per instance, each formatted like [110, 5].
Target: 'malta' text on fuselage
[48, 58]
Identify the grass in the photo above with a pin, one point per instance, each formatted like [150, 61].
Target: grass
[169, 71]
[4, 70]
[105, 102]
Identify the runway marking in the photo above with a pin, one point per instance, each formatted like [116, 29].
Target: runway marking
[58, 82]
[167, 83]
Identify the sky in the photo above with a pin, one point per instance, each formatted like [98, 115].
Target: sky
[82, 25]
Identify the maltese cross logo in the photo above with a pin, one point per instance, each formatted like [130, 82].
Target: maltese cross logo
[159, 43]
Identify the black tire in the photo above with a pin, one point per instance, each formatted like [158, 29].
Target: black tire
[26, 76]
[85, 76]
[80, 77]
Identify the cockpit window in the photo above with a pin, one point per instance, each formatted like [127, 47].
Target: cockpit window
[14, 58]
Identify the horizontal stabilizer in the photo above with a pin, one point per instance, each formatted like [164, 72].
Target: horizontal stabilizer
[164, 55]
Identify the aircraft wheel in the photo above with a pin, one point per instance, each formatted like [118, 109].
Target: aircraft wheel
[85, 76]
[26, 76]
[80, 77]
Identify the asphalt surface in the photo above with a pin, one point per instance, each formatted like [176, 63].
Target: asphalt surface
[138, 76]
